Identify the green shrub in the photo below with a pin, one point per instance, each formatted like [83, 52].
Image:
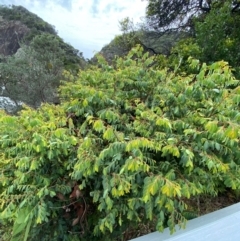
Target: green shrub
[128, 145]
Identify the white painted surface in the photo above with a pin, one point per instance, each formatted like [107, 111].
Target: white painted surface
[221, 225]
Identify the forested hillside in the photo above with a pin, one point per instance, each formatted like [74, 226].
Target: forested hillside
[33, 57]
[136, 143]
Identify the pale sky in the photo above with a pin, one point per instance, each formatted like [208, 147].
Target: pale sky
[87, 25]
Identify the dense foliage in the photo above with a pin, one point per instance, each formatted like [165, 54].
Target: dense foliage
[218, 36]
[129, 144]
[165, 15]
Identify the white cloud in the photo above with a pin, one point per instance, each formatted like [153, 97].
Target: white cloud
[86, 24]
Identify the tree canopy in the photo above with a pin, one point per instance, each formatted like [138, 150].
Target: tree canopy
[164, 15]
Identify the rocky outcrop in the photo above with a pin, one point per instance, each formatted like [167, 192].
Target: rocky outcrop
[8, 105]
[111, 51]
[11, 33]
[153, 42]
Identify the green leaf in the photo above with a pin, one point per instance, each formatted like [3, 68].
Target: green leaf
[99, 126]
[22, 222]
[27, 230]
[17, 229]
[212, 126]
[232, 132]
[109, 134]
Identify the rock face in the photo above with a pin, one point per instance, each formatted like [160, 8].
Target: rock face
[152, 42]
[11, 33]
[8, 105]
[111, 51]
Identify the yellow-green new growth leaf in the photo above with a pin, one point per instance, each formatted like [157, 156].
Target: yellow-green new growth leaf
[99, 126]
[232, 132]
[109, 134]
[212, 126]
[164, 122]
[152, 185]
[35, 164]
[171, 189]
[135, 164]
[170, 149]
[140, 143]
[187, 159]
